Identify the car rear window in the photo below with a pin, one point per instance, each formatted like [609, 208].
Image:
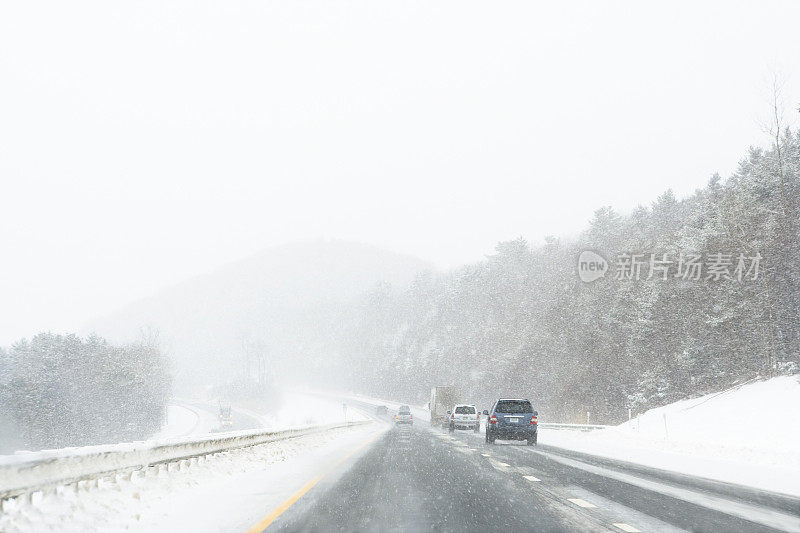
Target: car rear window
[465, 410]
[404, 410]
[514, 406]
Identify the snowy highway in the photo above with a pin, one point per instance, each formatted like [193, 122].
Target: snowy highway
[375, 476]
[372, 267]
[425, 479]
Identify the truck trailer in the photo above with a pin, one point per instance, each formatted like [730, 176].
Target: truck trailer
[442, 400]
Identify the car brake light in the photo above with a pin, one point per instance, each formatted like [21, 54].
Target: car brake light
[479, 416]
[411, 417]
[453, 416]
[493, 419]
[534, 420]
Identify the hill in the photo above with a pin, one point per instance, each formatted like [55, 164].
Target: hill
[267, 314]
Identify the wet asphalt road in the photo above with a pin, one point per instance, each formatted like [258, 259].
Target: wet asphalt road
[412, 480]
[424, 479]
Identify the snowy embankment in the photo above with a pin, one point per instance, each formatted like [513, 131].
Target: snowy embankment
[224, 491]
[748, 435]
[187, 417]
[229, 491]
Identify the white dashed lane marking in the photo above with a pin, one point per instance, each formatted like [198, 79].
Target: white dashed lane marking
[752, 512]
[626, 527]
[497, 465]
[486, 455]
[582, 503]
[531, 478]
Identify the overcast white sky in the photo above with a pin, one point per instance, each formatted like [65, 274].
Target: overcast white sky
[142, 143]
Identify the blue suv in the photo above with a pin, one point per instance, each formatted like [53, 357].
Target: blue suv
[512, 420]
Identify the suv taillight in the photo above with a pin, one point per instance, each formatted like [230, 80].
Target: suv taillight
[479, 416]
[534, 420]
[411, 417]
[453, 416]
[493, 419]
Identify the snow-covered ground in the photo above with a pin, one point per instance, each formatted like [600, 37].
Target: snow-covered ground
[187, 417]
[229, 491]
[182, 420]
[749, 435]
[299, 409]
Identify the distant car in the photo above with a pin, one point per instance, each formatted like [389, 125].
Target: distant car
[404, 415]
[382, 411]
[512, 419]
[225, 415]
[465, 417]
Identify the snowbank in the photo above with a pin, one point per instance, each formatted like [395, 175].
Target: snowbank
[748, 435]
[229, 491]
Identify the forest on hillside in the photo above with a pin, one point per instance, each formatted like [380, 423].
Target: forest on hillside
[62, 390]
[700, 294]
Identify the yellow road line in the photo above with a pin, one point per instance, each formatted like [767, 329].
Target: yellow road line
[279, 510]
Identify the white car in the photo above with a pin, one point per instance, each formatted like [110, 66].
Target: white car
[465, 416]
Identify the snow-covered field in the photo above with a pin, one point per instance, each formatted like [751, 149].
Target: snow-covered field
[748, 435]
[181, 421]
[229, 491]
[299, 408]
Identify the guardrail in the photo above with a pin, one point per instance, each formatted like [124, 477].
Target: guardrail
[573, 427]
[27, 473]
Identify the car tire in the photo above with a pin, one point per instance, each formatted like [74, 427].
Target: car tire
[477, 428]
[487, 435]
[532, 442]
[451, 428]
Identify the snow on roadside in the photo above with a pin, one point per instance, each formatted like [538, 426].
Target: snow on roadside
[229, 491]
[300, 408]
[748, 435]
[194, 417]
[181, 421]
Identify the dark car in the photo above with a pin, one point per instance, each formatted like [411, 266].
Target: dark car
[512, 420]
[382, 411]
